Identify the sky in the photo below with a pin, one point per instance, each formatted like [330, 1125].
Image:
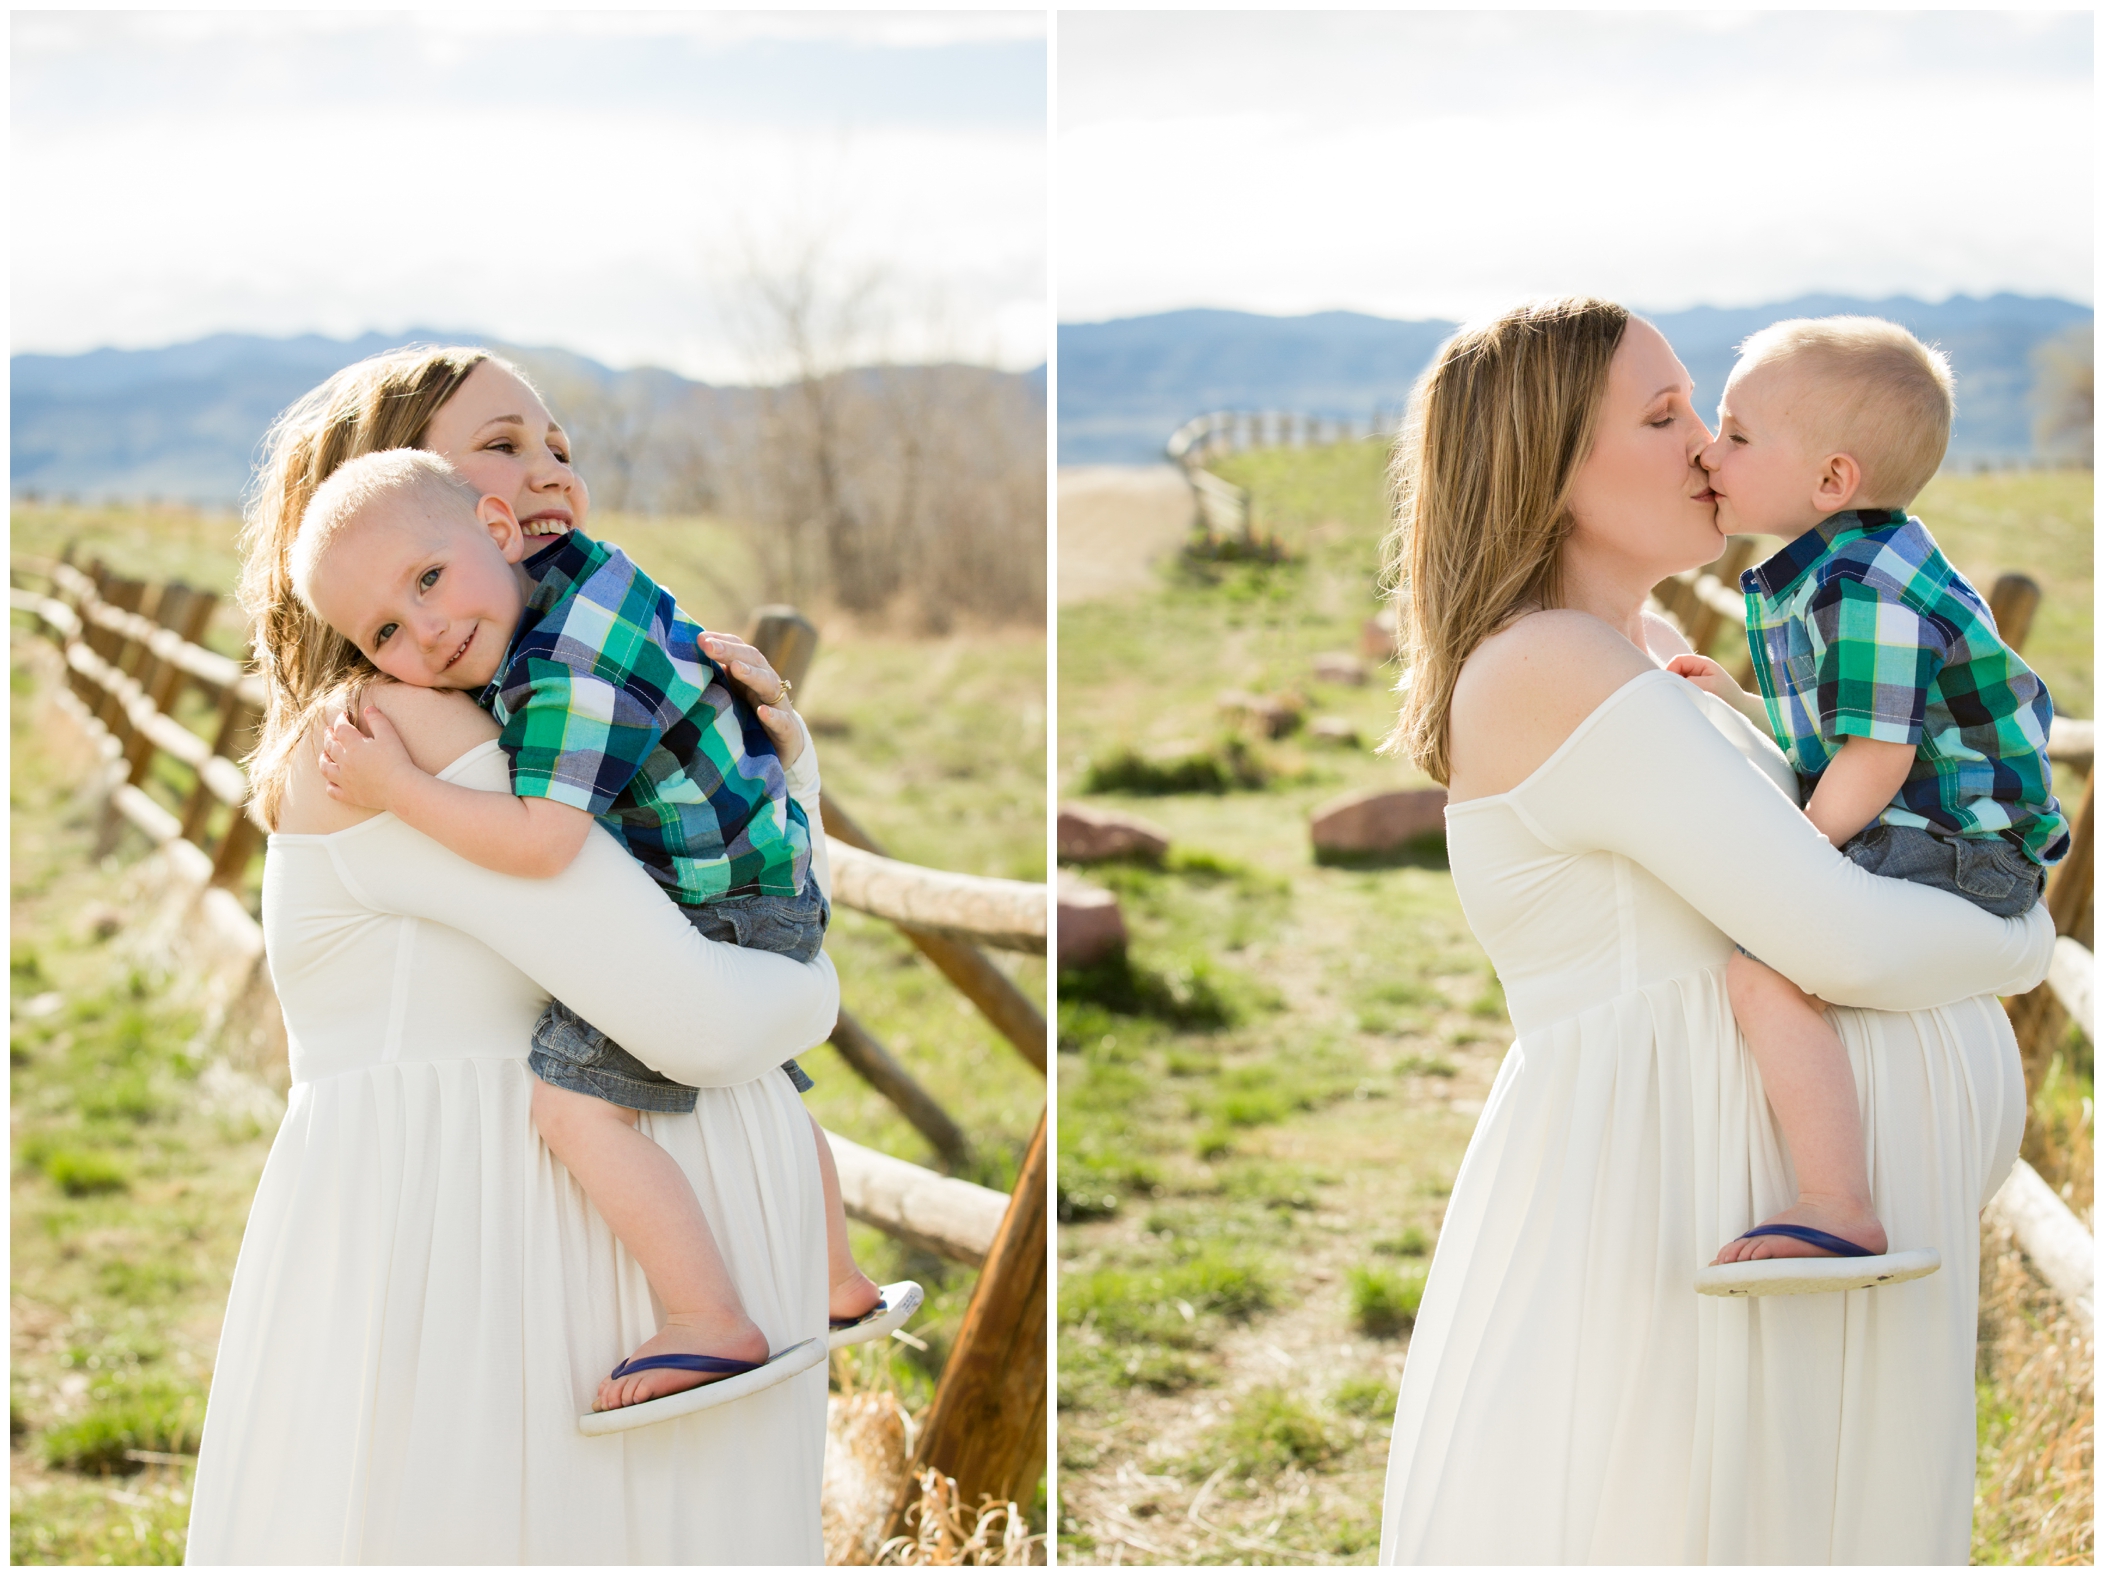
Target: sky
[1443, 164]
[608, 183]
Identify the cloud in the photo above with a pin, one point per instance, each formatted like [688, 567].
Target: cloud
[1440, 164]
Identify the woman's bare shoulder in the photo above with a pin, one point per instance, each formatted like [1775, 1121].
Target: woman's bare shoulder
[1523, 691]
[437, 726]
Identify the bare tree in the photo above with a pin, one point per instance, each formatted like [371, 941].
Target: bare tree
[2065, 396]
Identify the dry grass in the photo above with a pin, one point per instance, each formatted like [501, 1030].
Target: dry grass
[869, 1444]
[2035, 1493]
[941, 1531]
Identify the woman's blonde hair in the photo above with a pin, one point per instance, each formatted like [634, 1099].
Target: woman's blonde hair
[1481, 481]
[383, 402]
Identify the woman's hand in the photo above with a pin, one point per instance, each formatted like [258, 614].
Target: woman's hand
[760, 687]
[364, 768]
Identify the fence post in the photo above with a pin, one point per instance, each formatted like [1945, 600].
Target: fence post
[986, 1425]
[2013, 602]
[2036, 1017]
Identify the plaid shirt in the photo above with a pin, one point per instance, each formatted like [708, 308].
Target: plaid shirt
[608, 703]
[1862, 629]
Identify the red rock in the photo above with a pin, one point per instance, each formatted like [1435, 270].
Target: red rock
[1339, 667]
[1087, 834]
[1335, 730]
[1377, 820]
[1091, 927]
[1275, 715]
[1377, 639]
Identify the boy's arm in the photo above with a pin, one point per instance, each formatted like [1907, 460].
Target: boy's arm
[1861, 781]
[500, 832]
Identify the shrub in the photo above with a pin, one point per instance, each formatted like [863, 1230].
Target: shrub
[1384, 1301]
[1365, 1396]
[155, 1414]
[1229, 763]
[1270, 1430]
[1412, 1244]
[80, 1172]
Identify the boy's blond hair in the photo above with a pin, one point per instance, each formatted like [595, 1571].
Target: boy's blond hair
[1876, 392]
[397, 480]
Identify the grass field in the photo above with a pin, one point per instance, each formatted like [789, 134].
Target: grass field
[132, 1178]
[1263, 1108]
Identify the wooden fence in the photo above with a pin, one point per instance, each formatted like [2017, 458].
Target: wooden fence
[132, 663]
[1220, 508]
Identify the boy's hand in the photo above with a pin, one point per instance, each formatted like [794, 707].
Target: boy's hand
[364, 768]
[1709, 675]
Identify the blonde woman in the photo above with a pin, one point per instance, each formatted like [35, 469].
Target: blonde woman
[424, 1300]
[1568, 1397]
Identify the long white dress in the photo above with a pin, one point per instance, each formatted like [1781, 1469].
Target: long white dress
[425, 1301]
[1568, 1398]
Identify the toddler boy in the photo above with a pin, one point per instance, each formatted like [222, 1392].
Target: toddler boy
[1920, 734]
[612, 710]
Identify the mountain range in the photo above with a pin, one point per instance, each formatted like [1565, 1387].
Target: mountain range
[1127, 384]
[185, 422]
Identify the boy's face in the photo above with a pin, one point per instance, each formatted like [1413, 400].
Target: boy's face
[431, 599]
[1766, 476]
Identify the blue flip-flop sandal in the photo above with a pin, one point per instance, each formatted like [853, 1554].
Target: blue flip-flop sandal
[745, 1378]
[1852, 1268]
[896, 1303]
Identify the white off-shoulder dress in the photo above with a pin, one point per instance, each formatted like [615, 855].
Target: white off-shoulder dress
[425, 1301]
[1568, 1398]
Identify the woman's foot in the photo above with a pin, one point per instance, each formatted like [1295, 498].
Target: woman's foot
[1852, 1222]
[741, 1341]
[852, 1296]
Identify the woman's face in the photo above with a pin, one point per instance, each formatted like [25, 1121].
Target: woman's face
[496, 432]
[1641, 500]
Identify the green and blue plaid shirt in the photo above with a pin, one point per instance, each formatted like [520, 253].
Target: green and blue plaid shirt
[1861, 628]
[608, 703]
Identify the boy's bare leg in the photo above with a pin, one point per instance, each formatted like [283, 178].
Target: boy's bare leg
[849, 1293]
[651, 1207]
[1806, 1074]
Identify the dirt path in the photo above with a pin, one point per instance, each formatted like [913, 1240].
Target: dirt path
[1115, 523]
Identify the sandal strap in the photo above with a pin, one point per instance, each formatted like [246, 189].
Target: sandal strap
[688, 1362]
[883, 1306]
[1812, 1236]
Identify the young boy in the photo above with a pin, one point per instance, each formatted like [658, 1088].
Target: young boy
[1881, 675]
[612, 710]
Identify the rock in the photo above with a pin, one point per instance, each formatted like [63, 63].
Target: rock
[1087, 835]
[1335, 730]
[1275, 715]
[1091, 927]
[1377, 639]
[1377, 820]
[1339, 667]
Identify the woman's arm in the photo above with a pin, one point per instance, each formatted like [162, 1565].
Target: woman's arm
[802, 773]
[1648, 777]
[601, 936]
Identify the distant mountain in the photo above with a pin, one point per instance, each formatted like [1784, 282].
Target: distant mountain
[185, 423]
[1125, 385]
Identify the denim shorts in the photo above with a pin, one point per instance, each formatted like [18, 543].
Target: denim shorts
[569, 1053]
[1991, 873]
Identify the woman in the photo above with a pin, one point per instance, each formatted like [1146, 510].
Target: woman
[1568, 1398]
[424, 1302]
